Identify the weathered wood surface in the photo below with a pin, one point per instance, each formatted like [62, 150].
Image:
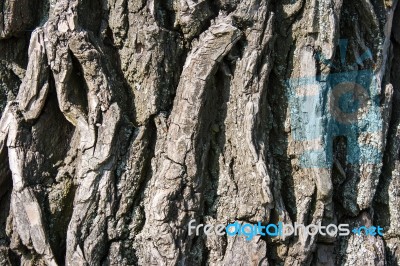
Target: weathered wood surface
[121, 121]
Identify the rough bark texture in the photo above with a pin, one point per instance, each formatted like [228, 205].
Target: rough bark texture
[122, 120]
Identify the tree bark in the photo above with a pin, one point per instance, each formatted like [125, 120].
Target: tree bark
[122, 121]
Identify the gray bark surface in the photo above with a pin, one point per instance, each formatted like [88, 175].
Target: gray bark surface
[121, 121]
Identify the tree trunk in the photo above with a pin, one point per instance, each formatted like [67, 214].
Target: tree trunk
[122, 121]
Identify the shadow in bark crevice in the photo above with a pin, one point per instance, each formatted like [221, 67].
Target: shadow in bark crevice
[213, 135]
[5, 201]
[51, 139]
[382, 208]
